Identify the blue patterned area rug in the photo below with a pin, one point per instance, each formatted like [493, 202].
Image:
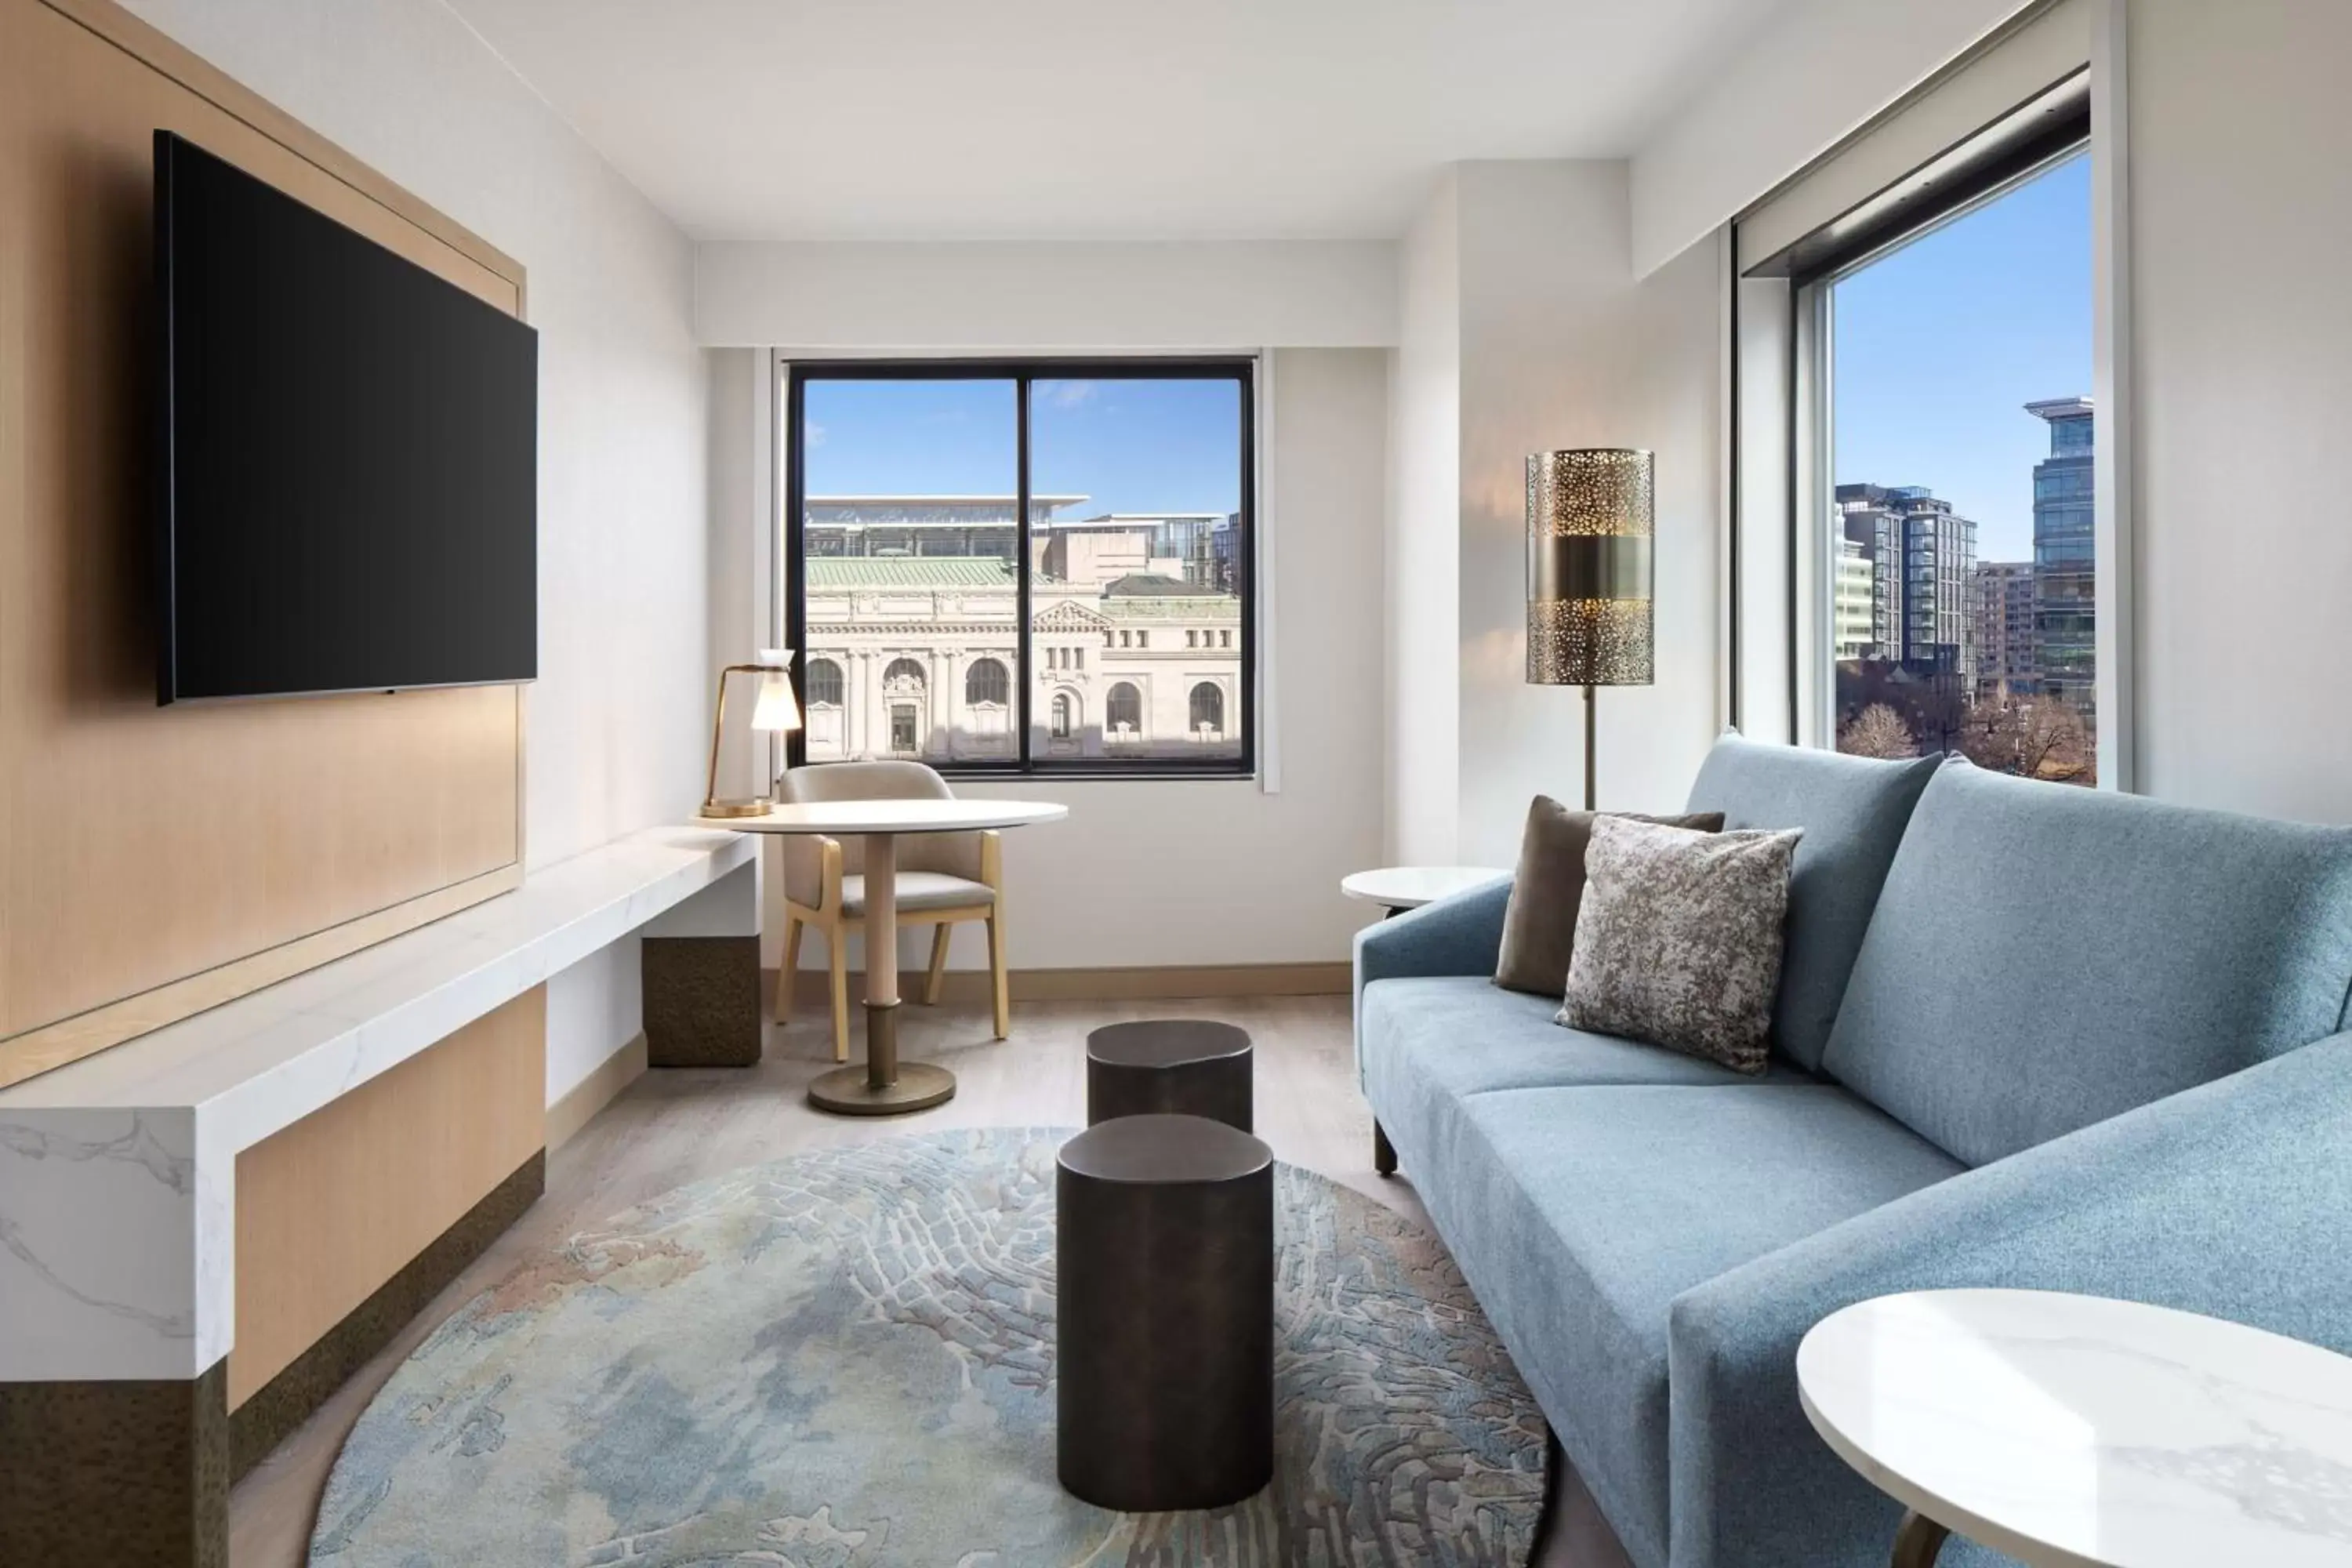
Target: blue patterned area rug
[847, 1359]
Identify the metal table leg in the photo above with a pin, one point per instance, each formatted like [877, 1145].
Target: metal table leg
[884, 1086]
[1917, 1540]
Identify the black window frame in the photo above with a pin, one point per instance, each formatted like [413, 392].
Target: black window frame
[1024, 372]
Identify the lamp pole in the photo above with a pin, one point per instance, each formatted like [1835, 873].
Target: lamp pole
[1591, 753]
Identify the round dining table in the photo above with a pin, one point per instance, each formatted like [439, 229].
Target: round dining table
[883, 1085]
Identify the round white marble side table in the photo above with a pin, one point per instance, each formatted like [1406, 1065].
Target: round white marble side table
[883, 1085]
[2077, 1432]
[1400, 888]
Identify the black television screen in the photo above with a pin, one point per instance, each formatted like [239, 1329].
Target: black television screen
[349, 470]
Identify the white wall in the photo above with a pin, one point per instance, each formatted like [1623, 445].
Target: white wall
[2240, 222]
[1525, 330]
[616, 719]
[1424, 701]
[1148, 873]
[739, 621]
[594, 1008]
[863, 298]
[1815, 76]
[1561, 347]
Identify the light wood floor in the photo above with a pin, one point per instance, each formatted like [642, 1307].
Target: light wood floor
[673, 1127]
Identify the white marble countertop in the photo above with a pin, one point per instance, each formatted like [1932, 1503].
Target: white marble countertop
[1410, 886]
[118, 1172]
[2071, 1430]
[266, 1060]
[856, 817]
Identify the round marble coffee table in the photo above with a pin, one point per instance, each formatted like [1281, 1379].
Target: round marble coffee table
[1397, 888]
[2077, 1432]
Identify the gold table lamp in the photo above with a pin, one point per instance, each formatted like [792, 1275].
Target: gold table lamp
[1590, 576]
[772, 710]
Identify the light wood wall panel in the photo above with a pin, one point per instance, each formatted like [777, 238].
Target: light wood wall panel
[156, 861]
[331, 1207]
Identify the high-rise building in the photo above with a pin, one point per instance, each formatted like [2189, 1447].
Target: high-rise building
[1852, 620]
[1877, 532]
[1923, 557]
[2004, 616]
[2065, 617]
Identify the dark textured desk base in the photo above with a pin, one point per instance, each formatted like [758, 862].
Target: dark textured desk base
[701, 1001]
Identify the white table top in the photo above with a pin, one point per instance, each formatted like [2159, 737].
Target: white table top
[1410, 886]
[2071, 1430]
[853, 816]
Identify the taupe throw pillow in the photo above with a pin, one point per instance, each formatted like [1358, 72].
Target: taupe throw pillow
[1539, 923]
[1679, 940]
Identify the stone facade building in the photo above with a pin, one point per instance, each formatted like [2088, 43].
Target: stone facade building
[912, 605]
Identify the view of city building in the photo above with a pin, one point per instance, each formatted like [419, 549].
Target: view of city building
[911, 550]
[913, 603]
[2066, 621]
[1962, 611]
[1854, 604]
[2007, 665]
[1995, 659]
[1921, 556]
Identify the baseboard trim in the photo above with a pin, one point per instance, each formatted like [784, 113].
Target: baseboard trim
[286, 1401]
[1159, 983]
[592, 1094]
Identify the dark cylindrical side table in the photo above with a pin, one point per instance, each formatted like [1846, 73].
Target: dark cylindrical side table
[1176, 1066]
[1164, 1344]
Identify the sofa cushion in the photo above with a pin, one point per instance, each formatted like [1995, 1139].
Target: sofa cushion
[2046, 956]
[1548, 890]
[1852, 811]
[1579, 1214]
[1430, 1042]
[1680, 939]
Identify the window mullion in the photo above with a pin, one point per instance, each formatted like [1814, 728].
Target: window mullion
[1023, 680]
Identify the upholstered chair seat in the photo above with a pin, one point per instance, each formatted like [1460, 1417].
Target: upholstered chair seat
[942, 879]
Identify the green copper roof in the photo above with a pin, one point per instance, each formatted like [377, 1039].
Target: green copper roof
[840, 571]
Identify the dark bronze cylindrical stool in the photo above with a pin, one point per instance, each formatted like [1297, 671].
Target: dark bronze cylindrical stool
[1164, 1343]
[1176, 1066]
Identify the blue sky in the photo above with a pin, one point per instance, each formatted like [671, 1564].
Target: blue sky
[1129, 445]
[1940, 347]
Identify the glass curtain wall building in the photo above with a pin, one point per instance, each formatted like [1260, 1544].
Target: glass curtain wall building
[2065, 620]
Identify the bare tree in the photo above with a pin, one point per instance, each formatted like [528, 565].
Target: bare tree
[1878, 730]
[2035, 738]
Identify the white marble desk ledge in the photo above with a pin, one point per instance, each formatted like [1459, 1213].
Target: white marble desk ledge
[118, 1172]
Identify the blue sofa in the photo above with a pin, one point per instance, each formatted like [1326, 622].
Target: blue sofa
[2026, 1035]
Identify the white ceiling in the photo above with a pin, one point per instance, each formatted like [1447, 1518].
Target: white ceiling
[1096, 119]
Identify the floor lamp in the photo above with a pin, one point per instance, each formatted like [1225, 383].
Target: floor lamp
[1590, 576]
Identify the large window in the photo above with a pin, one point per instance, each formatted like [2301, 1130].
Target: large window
[1022, 567]
[1953, 374]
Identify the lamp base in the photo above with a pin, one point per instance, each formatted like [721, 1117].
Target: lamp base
[726, 808]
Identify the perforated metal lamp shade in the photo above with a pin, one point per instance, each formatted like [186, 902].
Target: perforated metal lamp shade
[1591, 572]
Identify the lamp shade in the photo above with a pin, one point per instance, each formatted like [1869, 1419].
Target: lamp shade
[774, 708]
[1589, 568]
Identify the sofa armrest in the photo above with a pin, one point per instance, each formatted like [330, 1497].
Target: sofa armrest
[2228, 1199]
[1458, 935]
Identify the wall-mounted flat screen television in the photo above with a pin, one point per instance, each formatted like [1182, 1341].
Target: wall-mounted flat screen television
[349, 463]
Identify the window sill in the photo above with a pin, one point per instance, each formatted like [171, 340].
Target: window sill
[1097, 775]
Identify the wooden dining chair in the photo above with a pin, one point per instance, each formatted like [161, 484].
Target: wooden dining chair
[944, 878]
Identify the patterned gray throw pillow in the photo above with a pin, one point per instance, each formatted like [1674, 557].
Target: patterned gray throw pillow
[1678, 940]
